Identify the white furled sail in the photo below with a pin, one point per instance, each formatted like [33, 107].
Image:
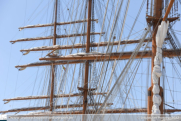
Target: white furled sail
[160, 36]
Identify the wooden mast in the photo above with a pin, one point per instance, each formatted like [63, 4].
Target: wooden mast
[53, 66]
[157, 14]
[156, 22]
[87, 62]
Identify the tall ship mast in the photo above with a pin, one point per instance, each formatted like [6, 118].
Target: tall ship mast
[94, 63]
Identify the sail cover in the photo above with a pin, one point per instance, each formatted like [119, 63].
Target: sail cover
[160, 36]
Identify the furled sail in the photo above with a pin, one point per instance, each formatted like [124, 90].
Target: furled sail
[160, 36]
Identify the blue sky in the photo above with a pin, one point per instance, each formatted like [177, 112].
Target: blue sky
[17, 13]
